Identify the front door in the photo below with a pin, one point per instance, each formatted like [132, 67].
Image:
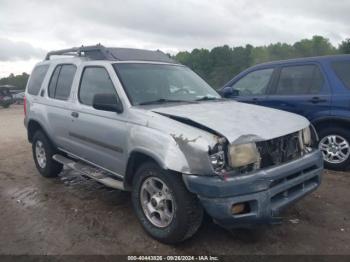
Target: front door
[252, 87]
[97, 136]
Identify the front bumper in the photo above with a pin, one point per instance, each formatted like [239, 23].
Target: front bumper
[265, 191]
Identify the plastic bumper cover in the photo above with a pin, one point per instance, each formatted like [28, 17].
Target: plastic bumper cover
[266, 191]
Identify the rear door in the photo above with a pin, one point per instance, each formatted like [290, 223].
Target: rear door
[58, 102]
[301, 89]
[341, 87]
[253, 86]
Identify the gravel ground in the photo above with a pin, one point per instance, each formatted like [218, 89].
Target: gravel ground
[73, 215]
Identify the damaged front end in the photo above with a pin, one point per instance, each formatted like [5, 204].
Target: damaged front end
[256, 180]
[242, 158]
[241, 177]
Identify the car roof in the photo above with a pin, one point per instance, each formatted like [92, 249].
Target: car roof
[306, 59]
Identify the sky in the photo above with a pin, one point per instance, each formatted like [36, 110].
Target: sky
[30, 28]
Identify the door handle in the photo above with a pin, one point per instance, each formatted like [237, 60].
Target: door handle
[316, 100]
[75, 114]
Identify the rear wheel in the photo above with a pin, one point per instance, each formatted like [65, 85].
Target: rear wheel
[335, 146]
[43, 151]
[164, 207]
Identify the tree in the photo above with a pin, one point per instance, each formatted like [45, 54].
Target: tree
[344, 47]
[317, 46]
[19, 81]
[221, 63]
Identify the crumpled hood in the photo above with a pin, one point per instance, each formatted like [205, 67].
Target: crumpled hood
[238, 122]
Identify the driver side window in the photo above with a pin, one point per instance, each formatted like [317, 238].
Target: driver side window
[94, 80]
[254, 83]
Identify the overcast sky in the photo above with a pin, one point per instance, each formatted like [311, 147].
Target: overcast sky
[29, 28]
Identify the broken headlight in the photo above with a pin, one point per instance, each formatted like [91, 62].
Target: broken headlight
[243, 155]
[218, 160]
[217, 155]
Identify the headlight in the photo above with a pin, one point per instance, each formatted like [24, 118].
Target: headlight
[243, 155]
[306, 136]
[218, 160]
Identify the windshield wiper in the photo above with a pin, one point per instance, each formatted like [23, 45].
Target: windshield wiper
[208, 98]
[162, 101]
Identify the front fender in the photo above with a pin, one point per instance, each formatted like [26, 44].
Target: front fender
[187, 154]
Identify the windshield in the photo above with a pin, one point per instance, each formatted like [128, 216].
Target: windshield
[162, 83]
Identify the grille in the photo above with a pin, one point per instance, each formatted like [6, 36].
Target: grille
[279, 150]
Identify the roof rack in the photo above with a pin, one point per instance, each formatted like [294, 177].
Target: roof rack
[96, 52]
[99, 52]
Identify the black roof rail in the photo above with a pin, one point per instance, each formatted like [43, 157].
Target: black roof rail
[99, 52]
[95, 52]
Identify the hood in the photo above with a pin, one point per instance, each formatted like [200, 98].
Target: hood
[238, 122]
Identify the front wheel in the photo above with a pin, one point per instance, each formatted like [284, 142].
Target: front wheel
[163, 205]
[335, 146]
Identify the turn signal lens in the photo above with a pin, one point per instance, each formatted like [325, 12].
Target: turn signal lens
[240, 208]
[307, 136]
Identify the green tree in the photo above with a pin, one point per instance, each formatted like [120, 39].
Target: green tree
[221, 63]
[19, 81]
[317, 46]
[344, 47]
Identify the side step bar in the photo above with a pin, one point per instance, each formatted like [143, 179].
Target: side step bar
[90, 171]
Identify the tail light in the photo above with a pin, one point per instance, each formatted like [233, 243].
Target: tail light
[25, 105]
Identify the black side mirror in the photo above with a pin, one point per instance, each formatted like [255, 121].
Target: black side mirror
[229, 91]
[107, 102]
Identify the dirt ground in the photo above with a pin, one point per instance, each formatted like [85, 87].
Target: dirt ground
[73, 215]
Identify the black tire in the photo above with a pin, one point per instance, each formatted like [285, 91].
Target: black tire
[6, 105]
[52, 168]
[342, 132]
[188, 213]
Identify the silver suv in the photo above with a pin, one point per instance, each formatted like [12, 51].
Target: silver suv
[136, 120]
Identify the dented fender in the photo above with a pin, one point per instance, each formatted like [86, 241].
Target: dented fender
[173, 145]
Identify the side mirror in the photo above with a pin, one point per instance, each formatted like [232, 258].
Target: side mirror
[107, 102]
[229, 91]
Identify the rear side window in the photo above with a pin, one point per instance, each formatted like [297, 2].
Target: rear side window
[37, 79]
[61, 82]
[342, 70]
[95, 80]
[53, 82]
[299, 80]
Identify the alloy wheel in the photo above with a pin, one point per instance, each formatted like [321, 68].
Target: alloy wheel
[335, 149]
[157, 202]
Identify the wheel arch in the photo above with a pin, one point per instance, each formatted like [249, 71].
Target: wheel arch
[331, 122]
[32, 127]
[136, 159]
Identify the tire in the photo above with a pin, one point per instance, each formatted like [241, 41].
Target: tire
[6, 105]
[325, 136]
[186, 209]
[50, 168]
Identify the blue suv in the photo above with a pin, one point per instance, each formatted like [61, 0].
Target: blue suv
[317, 88]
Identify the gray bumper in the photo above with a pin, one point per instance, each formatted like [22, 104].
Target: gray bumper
[266, 191]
